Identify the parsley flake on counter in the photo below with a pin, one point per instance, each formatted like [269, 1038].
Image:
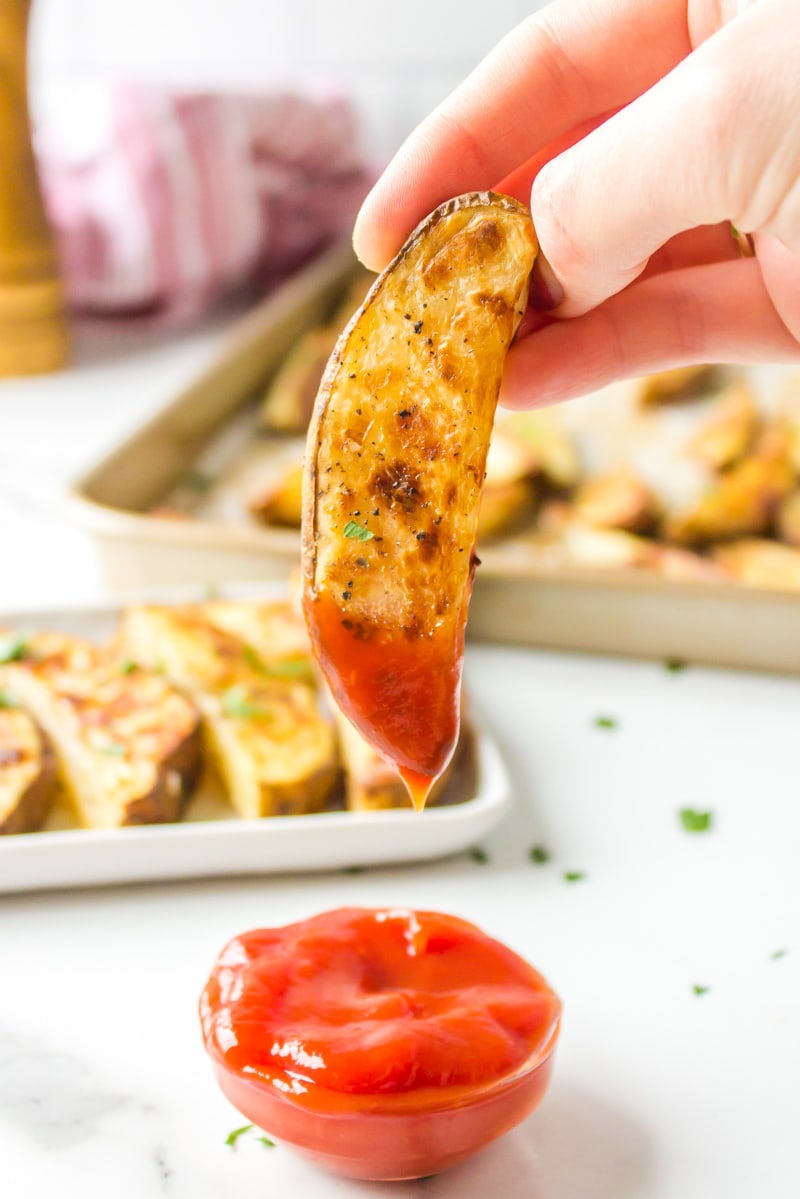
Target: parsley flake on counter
[700, 989]
[233, 1137]
[356, 531]
[539, 855]
[694, 821]
[479, 855]
[13, 649]
[574, 876]
[298, 667]
[605, 722]
[236, 703]
[777, 954]
[675, 665]
[266, 1142]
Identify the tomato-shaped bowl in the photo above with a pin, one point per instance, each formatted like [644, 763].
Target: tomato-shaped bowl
[390, 1132]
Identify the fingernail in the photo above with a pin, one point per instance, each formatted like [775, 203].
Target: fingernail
[544, 290]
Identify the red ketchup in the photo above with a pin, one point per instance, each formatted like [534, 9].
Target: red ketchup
[383, 1044]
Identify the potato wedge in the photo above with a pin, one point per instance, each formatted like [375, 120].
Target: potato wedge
[745, 499]
[555, 455]
[679, 384]
[756, 562]
[280, 503]
[788, 518]
[126, 742]
[395, 464]
[273, 746]
[28, 783]
[616, 500]
[505, 508]
[372, 785]
[729, 430]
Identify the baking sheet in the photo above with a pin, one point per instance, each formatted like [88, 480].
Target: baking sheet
[211, 839]
[520, 595]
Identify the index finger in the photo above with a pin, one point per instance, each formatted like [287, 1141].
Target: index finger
[572, 61]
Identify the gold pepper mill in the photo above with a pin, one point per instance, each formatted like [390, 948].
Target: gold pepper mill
[33, 335]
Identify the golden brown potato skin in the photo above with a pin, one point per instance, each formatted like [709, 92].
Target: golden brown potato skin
[28, 781]
[397, 445]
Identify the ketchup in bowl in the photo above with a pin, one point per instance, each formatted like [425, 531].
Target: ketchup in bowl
[382, 1044]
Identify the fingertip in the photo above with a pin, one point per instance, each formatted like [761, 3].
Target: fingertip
[366, 238]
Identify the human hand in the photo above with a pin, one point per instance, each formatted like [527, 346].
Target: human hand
[641, 131]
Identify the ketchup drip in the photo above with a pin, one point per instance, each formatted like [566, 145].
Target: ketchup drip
[401, 692]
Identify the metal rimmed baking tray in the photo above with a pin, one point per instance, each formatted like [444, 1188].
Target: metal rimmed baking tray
[518, 598]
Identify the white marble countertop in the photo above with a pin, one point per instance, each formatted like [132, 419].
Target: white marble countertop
[658, 1093]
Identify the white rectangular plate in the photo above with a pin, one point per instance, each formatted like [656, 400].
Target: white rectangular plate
[210, 842]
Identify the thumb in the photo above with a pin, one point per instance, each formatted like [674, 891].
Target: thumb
[699, 147]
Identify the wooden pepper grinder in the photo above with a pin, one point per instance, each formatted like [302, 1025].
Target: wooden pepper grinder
[33, 335]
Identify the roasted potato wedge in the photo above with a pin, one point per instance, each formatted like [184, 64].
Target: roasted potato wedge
[371, 784]
[395, 464]
[616, 500]
[678, 384]
[555, 455]
[504, 508]
[745, 499]
[126, 742]
[788, 518]
[280, 503]
[289, 399]
[760, 563]
[729, 431]
[274, 748]
[28, 783]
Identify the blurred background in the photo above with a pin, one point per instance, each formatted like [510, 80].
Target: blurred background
[397, 61]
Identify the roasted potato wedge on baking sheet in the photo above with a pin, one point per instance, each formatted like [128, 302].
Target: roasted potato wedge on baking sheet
[372, 785]
[274, 747]
[395, 464]
[28, 782]
[280, 503]
[678, 384]
[127, 743]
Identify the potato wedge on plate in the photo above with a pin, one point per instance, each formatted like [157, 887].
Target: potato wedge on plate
[395, 464]
[127, 744]
[28, 781]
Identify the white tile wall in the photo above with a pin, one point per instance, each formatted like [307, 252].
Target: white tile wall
[398, 59]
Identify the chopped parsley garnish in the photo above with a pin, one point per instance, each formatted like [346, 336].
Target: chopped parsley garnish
[127, 666]
[675, 665]
[287, 668]
[266, 1142]
[233, 1137]
[605, 722]
[700, 989]
[13, 649]
[539, 855]
[6, 701]
[777, 954]
[236, 703]
[114, 749]
[356, 531]
[694, 821]
[574, 876]
[479, 855]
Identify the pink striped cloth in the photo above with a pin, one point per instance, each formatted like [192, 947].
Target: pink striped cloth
[163, 201]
